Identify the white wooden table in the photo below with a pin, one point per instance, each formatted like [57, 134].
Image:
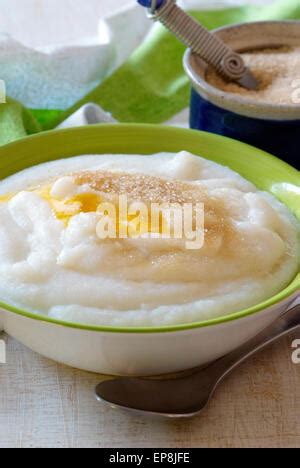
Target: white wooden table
[43, 404]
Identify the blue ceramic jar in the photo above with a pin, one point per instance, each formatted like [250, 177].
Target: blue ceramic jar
[272, 127]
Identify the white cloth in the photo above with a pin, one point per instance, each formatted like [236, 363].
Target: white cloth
[89, 114]
[55, 76]
[53, 52]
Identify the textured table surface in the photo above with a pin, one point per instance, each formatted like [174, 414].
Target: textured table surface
[43, 404]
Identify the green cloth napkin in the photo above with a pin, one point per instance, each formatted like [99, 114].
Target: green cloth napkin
[151, 86]
[16, 122]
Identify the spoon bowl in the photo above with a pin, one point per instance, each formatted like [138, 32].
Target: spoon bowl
[187, 394]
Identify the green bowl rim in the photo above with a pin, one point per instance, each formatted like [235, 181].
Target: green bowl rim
[289, 292]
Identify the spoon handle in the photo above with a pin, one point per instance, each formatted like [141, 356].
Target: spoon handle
[289, 322]
[202, 42]
[188, 393]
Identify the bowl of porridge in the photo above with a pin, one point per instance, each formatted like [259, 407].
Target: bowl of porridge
[141, 250]
[267, 118]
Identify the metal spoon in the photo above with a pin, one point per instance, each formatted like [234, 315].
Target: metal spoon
[187, 394]
[202, 42]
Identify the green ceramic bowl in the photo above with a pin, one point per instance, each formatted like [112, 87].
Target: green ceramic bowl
[265, 171]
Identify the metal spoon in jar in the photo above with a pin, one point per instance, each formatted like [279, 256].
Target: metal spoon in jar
[208, 46]
[187, 394]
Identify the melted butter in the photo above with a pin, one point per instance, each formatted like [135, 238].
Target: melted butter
[105, 187]
[6, 198]
[81, 203]
[63, 210]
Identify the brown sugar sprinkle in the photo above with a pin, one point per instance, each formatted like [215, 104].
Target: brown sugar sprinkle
[276, 69]
[138, 187]
[150, 189]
